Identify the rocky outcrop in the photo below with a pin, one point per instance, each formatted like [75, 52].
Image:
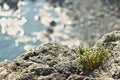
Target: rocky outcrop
[46, 62]
[53, 61]
[112, 66]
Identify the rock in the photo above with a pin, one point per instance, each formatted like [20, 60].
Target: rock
[113, 63]
[76, 77]
[45, 62]
[116, 75]
[111, 38]
[54, 76]
[53, 61]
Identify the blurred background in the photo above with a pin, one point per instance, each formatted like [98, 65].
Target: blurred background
[28, 23]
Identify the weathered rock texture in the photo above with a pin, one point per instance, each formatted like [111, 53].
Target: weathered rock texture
[50, 61]
[112, 66]
[53, 61]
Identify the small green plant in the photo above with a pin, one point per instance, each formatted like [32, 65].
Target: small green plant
[92, 58]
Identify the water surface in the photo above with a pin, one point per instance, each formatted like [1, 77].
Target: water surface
[20, 26]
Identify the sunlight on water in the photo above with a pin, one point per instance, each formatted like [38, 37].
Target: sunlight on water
[15, 29]
[32, 24]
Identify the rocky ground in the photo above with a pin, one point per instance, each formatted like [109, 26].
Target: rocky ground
[53, 61]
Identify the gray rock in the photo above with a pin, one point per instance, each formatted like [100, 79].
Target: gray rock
[53, 61]
[113, 63]
[50, 60]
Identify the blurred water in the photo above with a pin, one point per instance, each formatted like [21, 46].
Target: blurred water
[9, 48]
